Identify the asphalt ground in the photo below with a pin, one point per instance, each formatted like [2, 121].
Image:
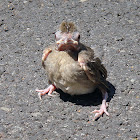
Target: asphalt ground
[111, 28]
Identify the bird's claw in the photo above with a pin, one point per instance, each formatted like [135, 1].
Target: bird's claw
[100, 112]
[39, 95]
[49, 90]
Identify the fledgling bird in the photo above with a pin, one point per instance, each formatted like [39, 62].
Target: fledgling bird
[72, 67]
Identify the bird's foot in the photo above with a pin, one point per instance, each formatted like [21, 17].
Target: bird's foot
[48, 90]
[101, 111]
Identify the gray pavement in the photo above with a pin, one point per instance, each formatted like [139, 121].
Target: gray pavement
[111, 28]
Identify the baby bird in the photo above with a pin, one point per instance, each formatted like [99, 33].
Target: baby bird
[72, 67]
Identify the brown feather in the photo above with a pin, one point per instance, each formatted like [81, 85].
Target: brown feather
[96, 71]
[67, 27]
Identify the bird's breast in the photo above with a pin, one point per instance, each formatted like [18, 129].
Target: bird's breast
[65, 73]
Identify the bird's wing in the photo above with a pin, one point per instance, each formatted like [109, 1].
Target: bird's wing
[93, 68]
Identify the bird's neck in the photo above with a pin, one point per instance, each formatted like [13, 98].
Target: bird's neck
[73, 54]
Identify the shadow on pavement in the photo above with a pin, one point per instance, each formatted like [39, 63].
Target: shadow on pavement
[91, 99]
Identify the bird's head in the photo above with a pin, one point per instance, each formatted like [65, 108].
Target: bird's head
[67, 38]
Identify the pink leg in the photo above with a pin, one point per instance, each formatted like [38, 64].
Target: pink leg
[103, 107]
[46, 52]
[48, 90]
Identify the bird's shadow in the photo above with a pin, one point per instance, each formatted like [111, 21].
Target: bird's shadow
[91, 99]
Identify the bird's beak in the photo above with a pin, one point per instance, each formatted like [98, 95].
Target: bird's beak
[59, 41]
[67, 41]
[67, 44]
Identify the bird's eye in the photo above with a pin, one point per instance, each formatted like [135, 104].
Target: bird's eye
[78, 37]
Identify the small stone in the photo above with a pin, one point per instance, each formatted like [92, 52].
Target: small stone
[25, 1]
[5, 109]
[130, 21]
[132, 80]
[6, 28]
[35, 114]
[83, 0]
[122, 51]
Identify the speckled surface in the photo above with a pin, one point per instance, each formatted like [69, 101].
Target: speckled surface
[110, 27]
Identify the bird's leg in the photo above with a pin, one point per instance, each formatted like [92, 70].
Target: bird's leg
[46, 52]
[103, 107]
[48, 90]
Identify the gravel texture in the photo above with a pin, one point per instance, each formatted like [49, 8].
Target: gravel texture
[111, 27]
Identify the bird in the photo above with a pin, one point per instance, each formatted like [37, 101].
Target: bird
[73, 67]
